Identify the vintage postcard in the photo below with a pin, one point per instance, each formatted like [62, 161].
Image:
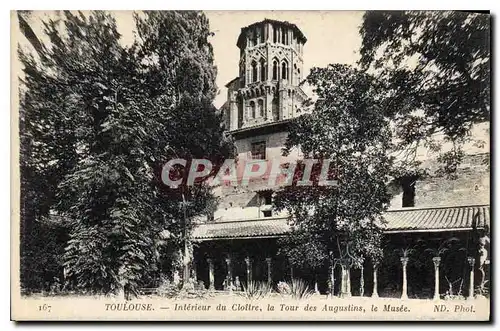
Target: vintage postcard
[250, 165]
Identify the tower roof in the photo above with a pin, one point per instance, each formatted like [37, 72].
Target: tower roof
[241, 38]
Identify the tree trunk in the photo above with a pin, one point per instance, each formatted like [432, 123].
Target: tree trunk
[332, 280]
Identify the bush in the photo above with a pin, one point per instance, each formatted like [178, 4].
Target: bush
[192, 289]
[168, 289]
[284, 288]
[300, 290]
[297, 289]
[255, 290]
[453, 297]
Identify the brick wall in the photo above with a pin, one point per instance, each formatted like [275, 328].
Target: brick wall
[472, 187]
[274, 145]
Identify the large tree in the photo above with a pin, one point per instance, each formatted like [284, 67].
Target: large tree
[110, 116]
[178, 62]
[346, 128]
[436, 68]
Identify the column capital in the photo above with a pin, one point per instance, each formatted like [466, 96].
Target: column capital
[209, 260]
[228, 260]
[404, 260]
[471, 261]
[436, 261]
[248, 260]
[268, 260]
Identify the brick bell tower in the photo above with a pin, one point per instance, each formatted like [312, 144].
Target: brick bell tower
[270, 70]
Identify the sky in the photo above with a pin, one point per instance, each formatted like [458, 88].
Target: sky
[332, 37]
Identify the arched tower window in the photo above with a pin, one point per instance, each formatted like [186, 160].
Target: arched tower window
[263, 70]
[275, 70]
[252, 109]
[262, 34]
[255, 38]
[260, 106]
[284, 39]
[254, 71]
[284, 70]
[275, 34]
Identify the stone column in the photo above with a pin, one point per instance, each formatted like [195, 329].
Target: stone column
[248, 71]
[362, 282]
[436, 261]
[258, 72]
[282, 97]
[471, 261]
[194, 272]
[229, 276]
[291, 272]
[268, 103]
[375, 281]
[249, 269]
[345, 286]
[211, 274]
[404, 295]
[269, 278]
[246, 109]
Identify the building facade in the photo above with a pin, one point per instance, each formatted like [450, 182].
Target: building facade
[241, 242]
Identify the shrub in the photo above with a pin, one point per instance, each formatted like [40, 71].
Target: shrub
[297, 289]
[284, 288]
[255, 290]
[300, 290]
[168, 289]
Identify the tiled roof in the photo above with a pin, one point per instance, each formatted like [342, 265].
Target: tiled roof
[262, 125]
[407, 220]
[241, 229]
[441, 218]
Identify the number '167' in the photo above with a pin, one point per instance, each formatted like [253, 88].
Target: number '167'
[45, 307]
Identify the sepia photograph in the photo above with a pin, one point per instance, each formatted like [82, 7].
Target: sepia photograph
[250, 165]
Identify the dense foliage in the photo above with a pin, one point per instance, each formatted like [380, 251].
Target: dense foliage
[436, 70]
[347, 128]
[99, 119]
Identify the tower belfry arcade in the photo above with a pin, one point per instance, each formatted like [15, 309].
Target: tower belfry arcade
[270, 71]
